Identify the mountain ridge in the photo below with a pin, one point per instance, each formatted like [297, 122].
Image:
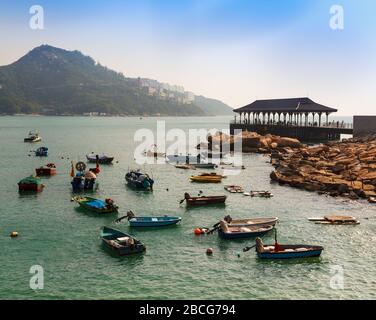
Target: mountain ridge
[50, 80]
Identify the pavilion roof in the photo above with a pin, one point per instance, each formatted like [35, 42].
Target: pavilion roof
[291, 105]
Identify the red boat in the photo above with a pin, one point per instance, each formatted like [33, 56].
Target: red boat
[48, 170]
[203, 201]
[33, 184]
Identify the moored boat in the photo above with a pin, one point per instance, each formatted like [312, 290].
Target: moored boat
[250, 222]
[47, 170]
[138, 180]
[41, 152]
[335, 220]
[30, 184]
[234, 189]
[188, 159]
[121, 243]
[205, 165]
[261, 194]
[279, 251]
[207, 178]
[153, 152]
[229, 232]
[102, 159]
[185, 166]
[96, 205]
[203, 200]
[150, 221]
[33, 137]
[372, 200]
[84, 180]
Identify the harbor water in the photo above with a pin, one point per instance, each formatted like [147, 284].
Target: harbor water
[65, 241]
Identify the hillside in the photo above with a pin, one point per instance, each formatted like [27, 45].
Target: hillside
[50, 80]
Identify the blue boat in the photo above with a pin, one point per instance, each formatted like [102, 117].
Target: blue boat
[41, 152]
[160, 221]
[120, 243]
[139, 180]
[229, 233]
[286, 251]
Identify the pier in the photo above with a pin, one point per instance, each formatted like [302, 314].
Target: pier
[299, 118]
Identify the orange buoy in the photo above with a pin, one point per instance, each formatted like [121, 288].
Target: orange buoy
[14, 234]
[198, 231]
[209, 251]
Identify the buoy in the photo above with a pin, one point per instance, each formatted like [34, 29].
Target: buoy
[14, 234]
[238, 254]
[209, 251]
[198, 231]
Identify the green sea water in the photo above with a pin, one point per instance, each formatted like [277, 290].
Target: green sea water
[65, 241]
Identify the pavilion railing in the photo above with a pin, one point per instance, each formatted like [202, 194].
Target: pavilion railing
[331, 124]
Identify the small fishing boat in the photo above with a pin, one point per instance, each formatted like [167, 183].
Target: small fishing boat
[153, 152]
[138, 180]
[250, 222]
[228, 232]
[234, 189]
[185, 166]
[160, 221]
[84, 180]
[203, 200]
[47, 170]
[121, 243]
[372, 200]
[204, 165]
[31, 183]
[96, 205]
[207, 178]
[261, 194]
[102, 159]
[33, 137]
[279, 251]
[335, 220]
[41, 152]
[188, 159]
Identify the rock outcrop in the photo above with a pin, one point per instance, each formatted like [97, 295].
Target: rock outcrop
[346, 168]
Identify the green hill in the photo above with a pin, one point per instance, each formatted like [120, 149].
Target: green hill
[56, 81]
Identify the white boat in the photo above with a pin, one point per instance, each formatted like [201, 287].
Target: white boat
[262, 194]
[33, 137]
[184, 158]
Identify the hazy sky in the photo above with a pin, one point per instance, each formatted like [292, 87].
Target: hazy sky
[233, 50]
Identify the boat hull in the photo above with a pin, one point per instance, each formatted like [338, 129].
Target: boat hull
[45, 171]
[312, 251]
[206, 179]
[253, 222]
[206, 201]
[101, 160]
[150, 222]
[108, 236]
[30, 187]
[242, 235]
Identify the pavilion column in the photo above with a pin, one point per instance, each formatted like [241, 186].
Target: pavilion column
[320, 114]
[327, 118]
[306, 119]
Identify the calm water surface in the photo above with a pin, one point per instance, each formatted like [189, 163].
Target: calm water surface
[65, 240]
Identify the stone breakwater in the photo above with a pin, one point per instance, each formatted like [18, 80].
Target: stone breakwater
[346, 168]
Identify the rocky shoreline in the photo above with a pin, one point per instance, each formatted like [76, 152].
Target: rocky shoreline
[346, 168]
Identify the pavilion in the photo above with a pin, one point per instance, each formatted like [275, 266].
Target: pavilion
[300, 118]
[293, 111]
